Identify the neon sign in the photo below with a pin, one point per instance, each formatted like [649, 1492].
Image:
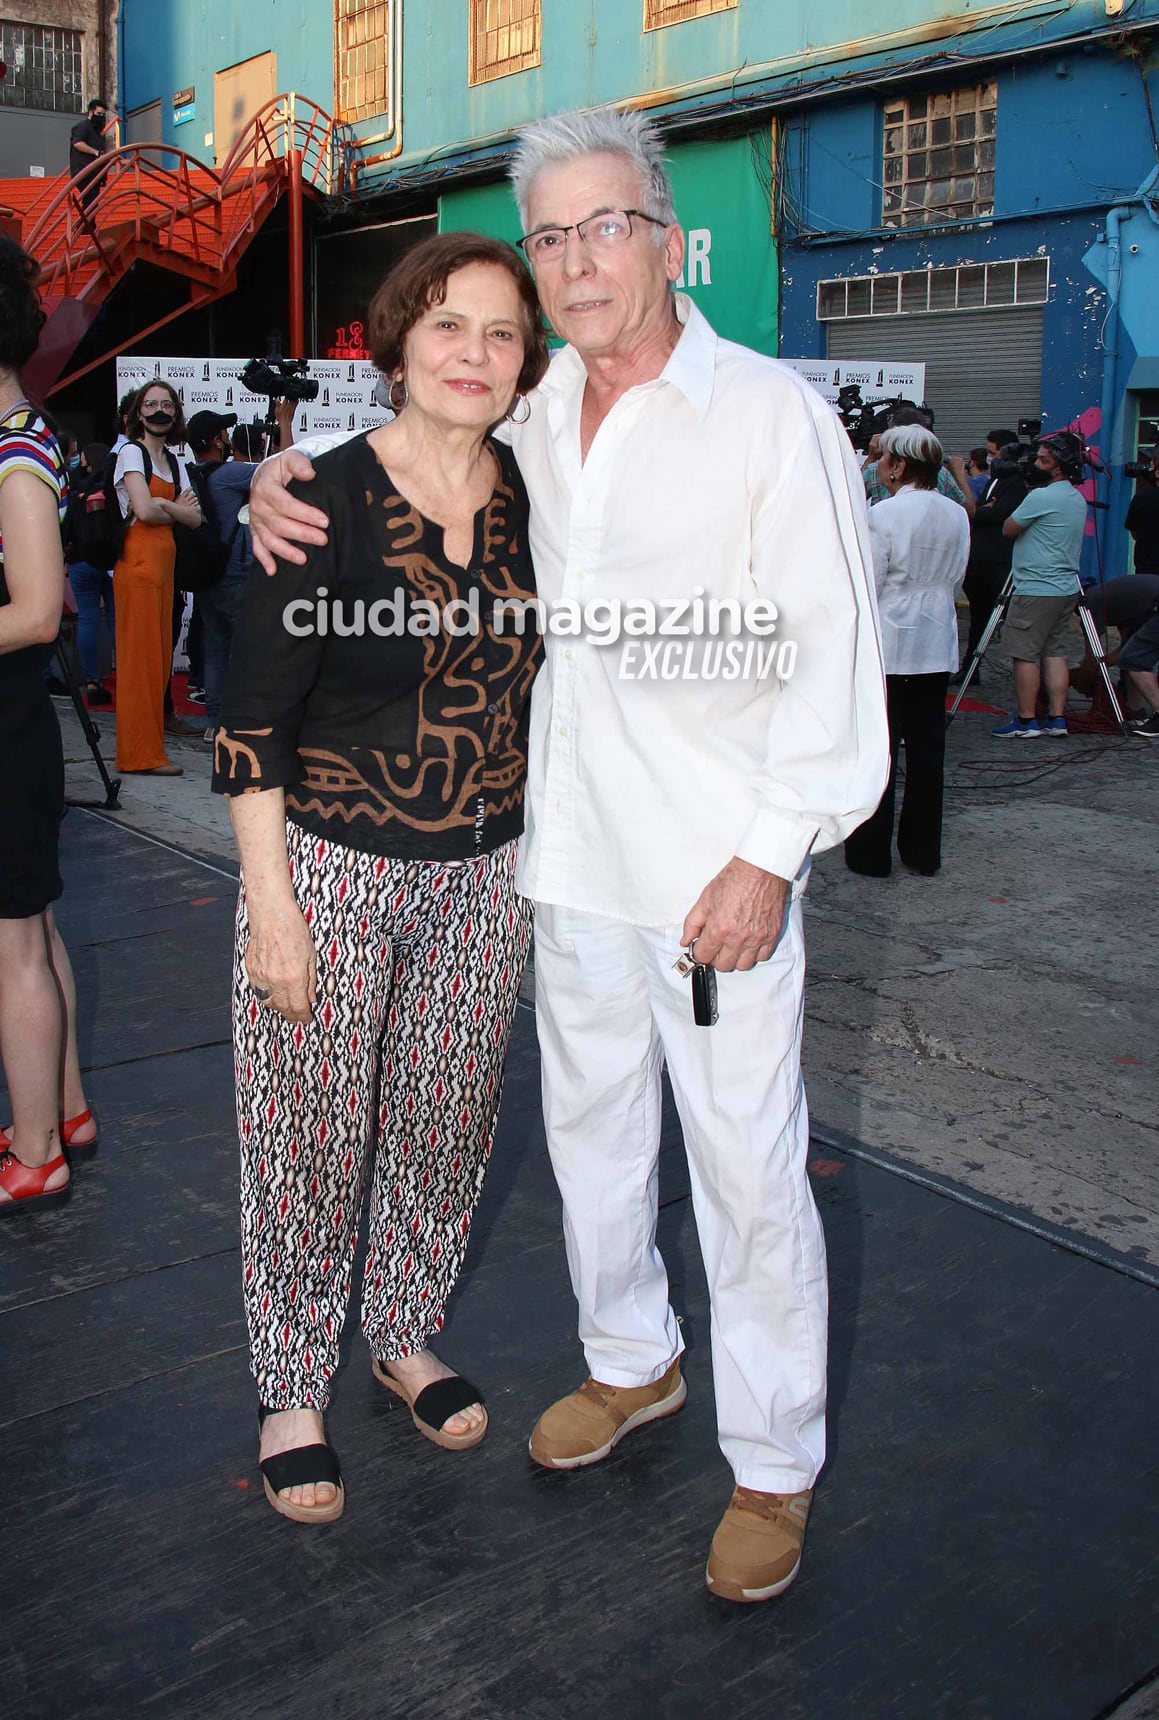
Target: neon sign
[348, 342]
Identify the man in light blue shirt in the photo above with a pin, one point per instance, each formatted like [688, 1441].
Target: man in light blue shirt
[1048, 529]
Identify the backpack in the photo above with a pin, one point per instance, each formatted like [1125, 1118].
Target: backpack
[94, 530]
[201, 555]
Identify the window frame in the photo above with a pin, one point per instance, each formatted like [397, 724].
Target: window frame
[347, 12]
[35, 43]
[969, 114]
[688, 11]
[927, 290]
[480, 70]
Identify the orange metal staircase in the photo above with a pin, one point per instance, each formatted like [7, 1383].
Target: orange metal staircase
[158, 205]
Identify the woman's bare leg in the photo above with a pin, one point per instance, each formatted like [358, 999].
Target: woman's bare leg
[31, 1037]
[73, 1100]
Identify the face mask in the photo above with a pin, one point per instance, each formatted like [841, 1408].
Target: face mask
[99, 121]
[158, 420]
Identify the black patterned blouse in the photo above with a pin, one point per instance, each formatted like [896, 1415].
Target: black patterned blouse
[396, 725]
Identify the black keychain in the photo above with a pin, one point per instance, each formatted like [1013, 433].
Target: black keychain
[704, 1006]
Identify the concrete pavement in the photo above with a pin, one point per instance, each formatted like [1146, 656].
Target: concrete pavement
[994, 1025]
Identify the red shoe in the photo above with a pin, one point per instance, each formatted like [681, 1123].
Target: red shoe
[25, 1184]
[81, 1150]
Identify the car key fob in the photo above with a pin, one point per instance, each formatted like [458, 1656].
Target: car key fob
[704, 1007]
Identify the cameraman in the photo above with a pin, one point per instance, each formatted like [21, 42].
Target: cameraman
[1143, 518]
[1047, 529]
[991, 551]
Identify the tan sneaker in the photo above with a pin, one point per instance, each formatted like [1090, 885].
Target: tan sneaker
[591, 1422]
[756, 1551]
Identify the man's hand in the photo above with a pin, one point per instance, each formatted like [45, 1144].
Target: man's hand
[284, 415]
[956, 465]
[738, 918]
[280, 522]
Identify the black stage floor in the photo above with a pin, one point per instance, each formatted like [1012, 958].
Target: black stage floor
[985, 1542]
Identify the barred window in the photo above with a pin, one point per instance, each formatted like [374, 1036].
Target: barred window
[659, 12]
[44, 68]
[505, 38]
[362, 40]
[939, 157]
[917, 292]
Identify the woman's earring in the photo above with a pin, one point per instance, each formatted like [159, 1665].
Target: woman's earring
[520, 400]
[396, 405]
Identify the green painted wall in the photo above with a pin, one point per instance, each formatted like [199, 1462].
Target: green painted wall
[722, 192]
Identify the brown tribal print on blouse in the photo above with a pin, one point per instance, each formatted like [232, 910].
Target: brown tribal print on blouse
[411, 745]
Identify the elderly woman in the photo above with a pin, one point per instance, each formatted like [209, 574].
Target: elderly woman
[921, 543]
[37, 996]
[153, 494]
[374, 741]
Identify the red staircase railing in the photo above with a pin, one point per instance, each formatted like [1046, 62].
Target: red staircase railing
[157, 203]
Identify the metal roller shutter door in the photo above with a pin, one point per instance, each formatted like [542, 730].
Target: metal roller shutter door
[984, 368]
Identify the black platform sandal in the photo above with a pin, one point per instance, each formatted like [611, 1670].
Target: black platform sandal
[434, 1406]
[304, 1466]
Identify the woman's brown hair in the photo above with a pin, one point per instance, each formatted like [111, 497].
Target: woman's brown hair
[420, 281]
[135, 425]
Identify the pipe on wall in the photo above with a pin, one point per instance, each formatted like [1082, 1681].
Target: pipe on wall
[1109, 449]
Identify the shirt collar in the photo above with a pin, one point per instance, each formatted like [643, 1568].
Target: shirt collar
[691, 365]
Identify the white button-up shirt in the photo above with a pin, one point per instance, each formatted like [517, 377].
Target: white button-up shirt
[921, 544]
[728, 475]
[731, 477]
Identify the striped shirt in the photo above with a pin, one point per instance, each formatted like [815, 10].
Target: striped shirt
[28, 445]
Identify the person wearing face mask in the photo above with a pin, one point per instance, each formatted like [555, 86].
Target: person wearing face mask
[86, 144]
[153, 494]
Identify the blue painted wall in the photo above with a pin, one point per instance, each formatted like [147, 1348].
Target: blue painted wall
[1074, 138]
[166, 45]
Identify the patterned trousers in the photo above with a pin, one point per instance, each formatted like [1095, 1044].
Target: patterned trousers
[419, 965]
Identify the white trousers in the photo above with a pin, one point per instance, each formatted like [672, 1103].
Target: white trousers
[611, 1012]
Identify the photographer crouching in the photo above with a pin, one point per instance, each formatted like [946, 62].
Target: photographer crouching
[1047, 529]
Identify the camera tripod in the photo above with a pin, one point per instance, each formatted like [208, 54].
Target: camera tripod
[65, 663]
[1090, 632]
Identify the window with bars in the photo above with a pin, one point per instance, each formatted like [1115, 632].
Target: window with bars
[939, 157]
[660, 12]
[362, 39]
[505, 38]
[1147, 431]
[44, 68]
[917, 292]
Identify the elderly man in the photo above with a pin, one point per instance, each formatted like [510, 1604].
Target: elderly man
[667, 464]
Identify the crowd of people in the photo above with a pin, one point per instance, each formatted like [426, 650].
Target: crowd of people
[408, 806]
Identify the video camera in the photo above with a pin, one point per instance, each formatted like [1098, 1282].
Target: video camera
[865, 419]
[1144, 469]
[1019, 459]
[279, 378]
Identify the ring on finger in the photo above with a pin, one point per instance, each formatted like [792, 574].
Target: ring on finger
[261, 992]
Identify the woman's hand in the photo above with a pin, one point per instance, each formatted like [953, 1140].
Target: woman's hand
[281, 960]
[186, 510]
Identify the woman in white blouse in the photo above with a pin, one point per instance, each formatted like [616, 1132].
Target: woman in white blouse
[921, 543]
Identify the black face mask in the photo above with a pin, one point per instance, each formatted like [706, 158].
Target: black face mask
[98, 120]
[158, 421]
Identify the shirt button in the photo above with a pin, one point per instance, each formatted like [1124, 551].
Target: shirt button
[567, 653]
[562, 729]
[493, 710]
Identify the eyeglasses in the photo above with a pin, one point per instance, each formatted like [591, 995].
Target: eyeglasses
[601, 232]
